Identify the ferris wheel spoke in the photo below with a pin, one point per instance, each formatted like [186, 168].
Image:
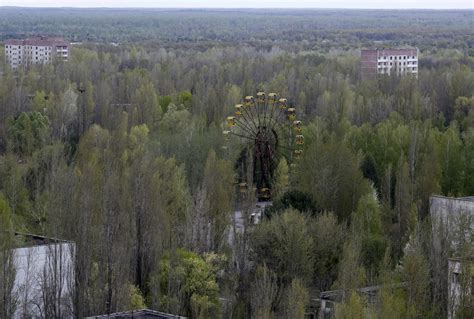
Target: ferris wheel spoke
[251, 138]
[258, 115]
[265, 113]
[276, 120]
[244, 126]
[279, 111]
[248, 111]
[246, 114]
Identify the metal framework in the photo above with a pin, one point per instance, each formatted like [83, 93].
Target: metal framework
[268, 129]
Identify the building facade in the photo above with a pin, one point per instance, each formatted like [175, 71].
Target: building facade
[452, 222]
[460, 287]
[43, 277]
[389, 61]
[38, 50]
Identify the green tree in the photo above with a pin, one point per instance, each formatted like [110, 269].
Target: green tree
[285, 245]
[332, 177]
[353, 308]
[293, 199]
[137, 301]
[28, 133]
[263, 291]
[8, 297]
[414, 270]
[145, 100]
[188, 285]
[367, 225]
[351, 273]
[214, 204]
[282, 178]
[297, 299]
[328, 237]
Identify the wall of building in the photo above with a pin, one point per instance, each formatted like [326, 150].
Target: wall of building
[44, 272]
[35, 50]
[393, 61]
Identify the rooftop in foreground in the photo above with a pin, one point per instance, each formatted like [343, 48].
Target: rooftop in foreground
[138, 314]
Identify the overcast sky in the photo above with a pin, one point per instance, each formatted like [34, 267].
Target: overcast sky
[372, 4]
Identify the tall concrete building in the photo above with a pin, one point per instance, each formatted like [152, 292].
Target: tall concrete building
[388, 61]
[35, 50]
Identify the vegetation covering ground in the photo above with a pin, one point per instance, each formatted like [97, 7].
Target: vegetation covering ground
[133, 171]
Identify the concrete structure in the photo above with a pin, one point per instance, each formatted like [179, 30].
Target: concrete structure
[388, 61]
[452, 221]
[452, 218]
[38, 50]
[329, 299]
[138, 314]
[44, 276]
[460, 286]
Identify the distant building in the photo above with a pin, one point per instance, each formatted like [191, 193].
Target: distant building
[388, 61]
[138, 314]
[35, 51]
[43, 276]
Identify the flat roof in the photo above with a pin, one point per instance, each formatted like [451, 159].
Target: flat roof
[38, 41]
[23, 240]
[465, 199]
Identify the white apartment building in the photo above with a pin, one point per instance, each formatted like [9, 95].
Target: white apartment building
[391, 61]
[35, 50]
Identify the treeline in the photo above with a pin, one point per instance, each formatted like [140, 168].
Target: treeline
[120, 150]
[304, 29]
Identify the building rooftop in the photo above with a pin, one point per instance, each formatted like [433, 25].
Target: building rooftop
[390, 51]
[41, 40]
[465, 199]
[138, 314]
[29, 240]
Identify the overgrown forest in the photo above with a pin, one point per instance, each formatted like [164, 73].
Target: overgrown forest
[120, 150]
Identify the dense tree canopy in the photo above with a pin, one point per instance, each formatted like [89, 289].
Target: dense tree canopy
[120, 150]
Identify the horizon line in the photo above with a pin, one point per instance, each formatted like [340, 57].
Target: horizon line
[236, 8]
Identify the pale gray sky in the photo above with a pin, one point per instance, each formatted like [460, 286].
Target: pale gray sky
[372, 4]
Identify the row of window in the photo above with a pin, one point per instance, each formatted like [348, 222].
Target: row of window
[387, 71]
[26, 46]
[399, 63]
[414, 68]
[400, 57]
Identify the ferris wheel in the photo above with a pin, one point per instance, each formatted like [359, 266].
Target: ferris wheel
[266, 130]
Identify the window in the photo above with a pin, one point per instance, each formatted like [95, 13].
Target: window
[391, 59]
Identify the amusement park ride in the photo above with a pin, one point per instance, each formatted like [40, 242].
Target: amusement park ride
[266, 129]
